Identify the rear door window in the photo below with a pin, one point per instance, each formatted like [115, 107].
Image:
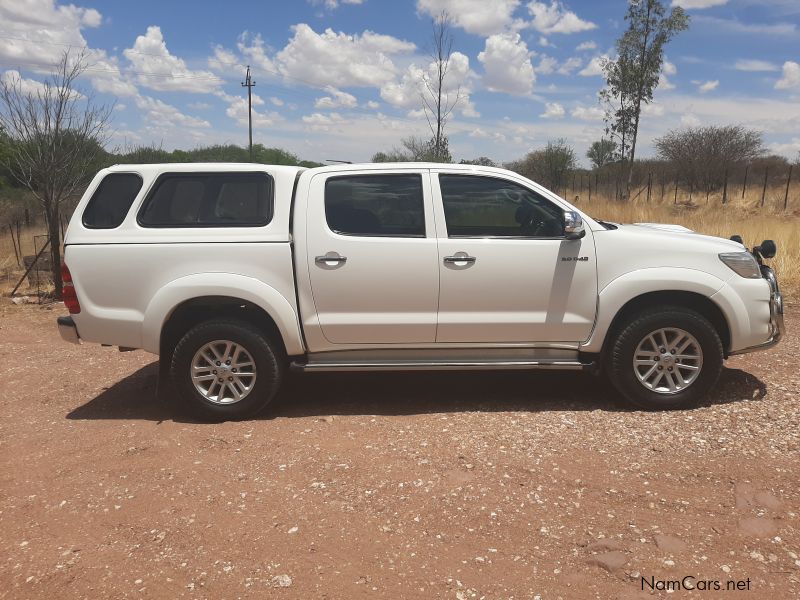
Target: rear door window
[111, 201]
[375, 205]
[209, 200]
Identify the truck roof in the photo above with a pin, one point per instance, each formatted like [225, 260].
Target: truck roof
[201, 166]
[293, 170]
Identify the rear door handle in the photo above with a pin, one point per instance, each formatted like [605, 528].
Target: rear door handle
[330, 258]
[456, 259]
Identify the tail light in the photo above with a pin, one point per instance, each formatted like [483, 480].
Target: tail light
[68, 291]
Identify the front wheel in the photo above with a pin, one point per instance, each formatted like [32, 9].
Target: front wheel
[666, 358]
[225, 370]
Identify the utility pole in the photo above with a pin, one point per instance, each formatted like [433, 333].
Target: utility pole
[249, 84]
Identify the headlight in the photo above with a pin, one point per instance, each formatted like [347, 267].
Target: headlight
[743, 263]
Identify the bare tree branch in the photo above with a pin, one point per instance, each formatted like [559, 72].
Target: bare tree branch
[57, 136]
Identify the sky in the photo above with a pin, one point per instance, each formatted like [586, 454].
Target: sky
[340, 79]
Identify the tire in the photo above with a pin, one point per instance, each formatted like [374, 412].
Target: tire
[237, 390]
[681, 375]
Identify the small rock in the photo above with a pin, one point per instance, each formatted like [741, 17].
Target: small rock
[294, 529]
[281, 581]
[669, 543]
[758, 527]
[610, 561]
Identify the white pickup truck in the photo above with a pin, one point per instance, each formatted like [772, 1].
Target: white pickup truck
[233, 273]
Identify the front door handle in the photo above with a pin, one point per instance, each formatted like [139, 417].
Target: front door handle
[329, 258]
[456, 259]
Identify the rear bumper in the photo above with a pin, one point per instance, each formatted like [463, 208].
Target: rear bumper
[777, 324]
[68, 330]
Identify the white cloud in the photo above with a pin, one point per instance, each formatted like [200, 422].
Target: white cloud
[223, 60]
[339, 59]
[253, 49]
[407, 92]
[544, 42]
[556, 19]
[337, 98]
[708, 86]
[569, 65]
[507, 65]
[158, 69]
[744, 64]
[473, 16]
[159, 114]
[791, 76]
[690, 120]
[698, 3]
[654, 109]
[42, 29]
[547, 65]
[373, 105]
[320, 122]
[12, 78]
[276, 101]
[38, 32]
[467, 108]
[735, 26]
[594, 68]
[553, 110]
[590, 45]
[334, 4]
[590, 113]
[667, 68]
[788, 149]
[199, 105]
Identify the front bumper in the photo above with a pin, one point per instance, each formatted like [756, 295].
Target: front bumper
[68, 330]
[776, 321]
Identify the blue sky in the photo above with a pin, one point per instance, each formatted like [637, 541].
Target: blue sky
[340, 79]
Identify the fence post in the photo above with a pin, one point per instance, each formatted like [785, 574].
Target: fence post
[786, 194]
[764, 191]
[744, 185]
[691, 189]
[14, 243]
[676, 190]
[725, 188]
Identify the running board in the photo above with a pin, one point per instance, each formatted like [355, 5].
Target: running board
[433, 365]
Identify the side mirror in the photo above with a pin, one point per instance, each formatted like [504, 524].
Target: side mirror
[573, 225]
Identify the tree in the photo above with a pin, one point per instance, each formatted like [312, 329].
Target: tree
[602, 152]
[633, 76]
[548, 166]
[437, 101]
[482, 161]
[56, 142]
[702, 155]
[416, 149]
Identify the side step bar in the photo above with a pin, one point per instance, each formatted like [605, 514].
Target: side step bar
[433, 365]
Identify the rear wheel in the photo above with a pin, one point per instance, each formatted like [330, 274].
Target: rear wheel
[666, 358]
[225, 370]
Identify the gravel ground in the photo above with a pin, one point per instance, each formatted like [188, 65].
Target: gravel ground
[433, 485]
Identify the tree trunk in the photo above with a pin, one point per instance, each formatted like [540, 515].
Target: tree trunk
[55, 252]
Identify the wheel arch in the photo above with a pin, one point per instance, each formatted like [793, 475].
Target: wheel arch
[634, 292]
[692, 300]
[190, 300]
